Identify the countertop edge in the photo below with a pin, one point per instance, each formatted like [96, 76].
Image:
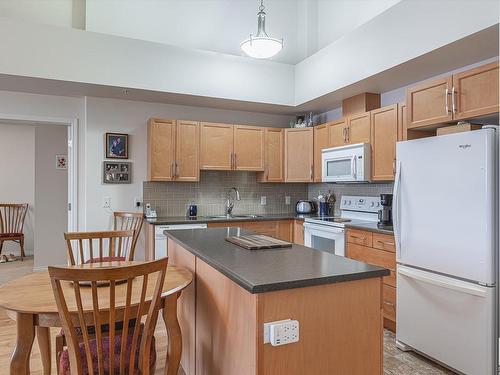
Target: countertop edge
[201, 220]
[280, 285]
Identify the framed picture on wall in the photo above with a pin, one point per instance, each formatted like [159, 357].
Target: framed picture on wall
[116, 146]
[116, 172]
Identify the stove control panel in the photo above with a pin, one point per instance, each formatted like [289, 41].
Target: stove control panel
[357, 203]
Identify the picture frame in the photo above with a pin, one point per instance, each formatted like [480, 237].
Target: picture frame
[116, 145]
[61, 161]
[116, 172]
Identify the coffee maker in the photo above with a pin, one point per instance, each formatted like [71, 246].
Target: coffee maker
[385, 214]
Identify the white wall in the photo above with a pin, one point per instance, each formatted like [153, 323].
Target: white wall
[82, 56]
[51, 196]
[403, 32]
[17, 182]
[339, 17]
[64, 13]
[109, 115]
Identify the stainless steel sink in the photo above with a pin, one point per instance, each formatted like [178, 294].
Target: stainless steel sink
[233, 217]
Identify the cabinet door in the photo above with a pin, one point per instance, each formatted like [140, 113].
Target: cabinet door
[429, 103]
[298, 232]
[216, 148]
[384, 134]
[321, 141]
[337, 133]
[359, 128]
[161, 150]
[476, 92]
[187, 166]
[248, 148]
[299, 155]
[273, 165]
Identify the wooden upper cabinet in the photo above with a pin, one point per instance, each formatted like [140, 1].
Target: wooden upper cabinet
[248, 148]
[299, 155]
[161, 150]
[429, 103]
[187, 166]
[273, 159]
[321, 141]
[337, 133]
[216, 146]
[384, 135]
[358, 128]
[476, 92]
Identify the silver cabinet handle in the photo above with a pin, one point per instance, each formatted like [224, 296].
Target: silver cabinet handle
[235, 163]
[231, 160]
[446, 93]
[311, 172]
[348, 132]
[453, 107]
[172, 170]
[176, 170]
[394, 167]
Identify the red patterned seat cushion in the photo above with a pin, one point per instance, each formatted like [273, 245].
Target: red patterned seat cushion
[64, 366]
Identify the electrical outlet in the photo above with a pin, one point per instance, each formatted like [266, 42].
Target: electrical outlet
[106, 202]
[267, 329]
[288, 199]
[284, 333]
[263, 201]
[137, 202]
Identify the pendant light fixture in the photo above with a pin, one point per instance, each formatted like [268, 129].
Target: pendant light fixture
[261, 46]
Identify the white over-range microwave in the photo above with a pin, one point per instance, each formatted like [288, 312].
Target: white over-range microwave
[349, 163]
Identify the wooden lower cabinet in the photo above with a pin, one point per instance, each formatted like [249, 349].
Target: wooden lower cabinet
[298, 232]
[377, 249]
[222, 325]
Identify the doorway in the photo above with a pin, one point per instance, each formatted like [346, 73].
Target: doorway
[37, 165]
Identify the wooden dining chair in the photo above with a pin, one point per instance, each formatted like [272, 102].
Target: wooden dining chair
[129, 350]
[12, 218]
[92, 247]
[129, 221]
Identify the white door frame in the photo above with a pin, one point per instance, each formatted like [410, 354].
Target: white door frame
[72, 124]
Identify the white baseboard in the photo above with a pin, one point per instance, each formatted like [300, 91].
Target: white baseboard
[39, 269]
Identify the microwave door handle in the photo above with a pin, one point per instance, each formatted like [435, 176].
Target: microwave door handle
[353, 167]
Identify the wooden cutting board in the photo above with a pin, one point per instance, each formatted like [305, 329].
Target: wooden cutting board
[258, 242]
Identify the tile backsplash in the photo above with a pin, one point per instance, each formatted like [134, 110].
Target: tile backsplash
[348, 189]
[171, 199]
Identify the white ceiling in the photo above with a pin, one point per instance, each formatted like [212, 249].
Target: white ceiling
[213, 25]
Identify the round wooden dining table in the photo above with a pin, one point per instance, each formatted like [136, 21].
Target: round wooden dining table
[29, 301]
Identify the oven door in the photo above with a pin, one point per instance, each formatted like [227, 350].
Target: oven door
[324, 237]
[339, 169]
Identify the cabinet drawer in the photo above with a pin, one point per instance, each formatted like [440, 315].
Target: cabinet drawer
[389, 302]
[359, 237]
[376, 257]
[384, 242]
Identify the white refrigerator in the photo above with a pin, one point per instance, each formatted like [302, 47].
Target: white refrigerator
[445, 210]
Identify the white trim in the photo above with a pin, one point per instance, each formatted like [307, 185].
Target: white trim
[72, 124]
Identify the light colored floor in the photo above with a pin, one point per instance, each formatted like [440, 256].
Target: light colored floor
[396, 362]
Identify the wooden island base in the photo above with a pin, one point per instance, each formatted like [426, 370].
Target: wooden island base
[341, 329]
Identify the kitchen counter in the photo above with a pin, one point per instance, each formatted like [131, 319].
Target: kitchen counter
[171, 220]
[260, 271]
[371, 227]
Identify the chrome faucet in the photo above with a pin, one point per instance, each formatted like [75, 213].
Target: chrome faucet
[230, 200]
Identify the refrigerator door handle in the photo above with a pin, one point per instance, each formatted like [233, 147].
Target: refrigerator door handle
[395, 213]
[442, 281]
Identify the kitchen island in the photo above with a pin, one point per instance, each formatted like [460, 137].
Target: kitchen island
[337, 302]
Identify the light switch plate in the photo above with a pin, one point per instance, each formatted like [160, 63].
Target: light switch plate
[106, 202]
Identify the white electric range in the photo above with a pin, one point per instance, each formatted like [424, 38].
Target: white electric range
[327, 233]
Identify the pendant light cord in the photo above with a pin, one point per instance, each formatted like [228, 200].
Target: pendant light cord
[261, 8]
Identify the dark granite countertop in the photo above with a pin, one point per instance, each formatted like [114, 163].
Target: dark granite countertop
[371, 227]
[260, 271]
[171, 220]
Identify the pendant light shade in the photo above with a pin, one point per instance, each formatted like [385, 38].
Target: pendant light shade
[261, 46]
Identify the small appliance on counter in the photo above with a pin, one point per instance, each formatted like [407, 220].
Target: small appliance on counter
[385, 214]
[305, 207]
